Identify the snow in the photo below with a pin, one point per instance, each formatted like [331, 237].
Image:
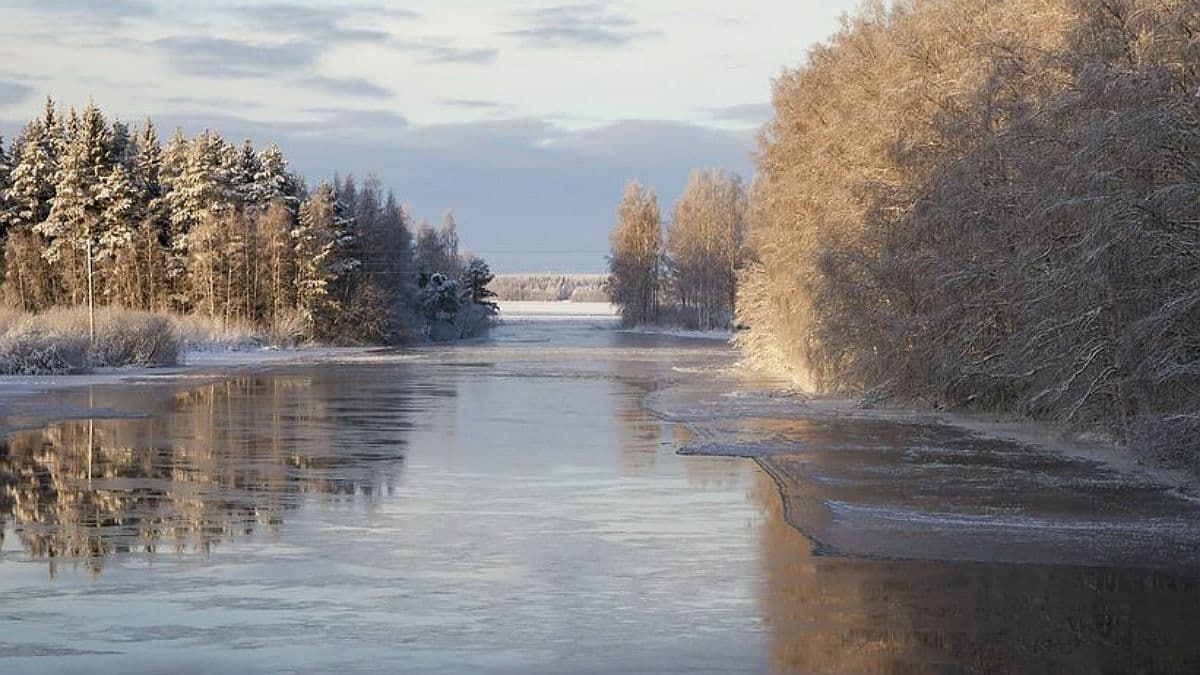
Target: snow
[722, 335]
[525, 310]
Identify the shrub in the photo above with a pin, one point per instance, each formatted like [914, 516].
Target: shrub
[57, 342]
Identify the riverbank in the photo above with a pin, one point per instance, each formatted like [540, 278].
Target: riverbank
[927, 485]
[18, 410]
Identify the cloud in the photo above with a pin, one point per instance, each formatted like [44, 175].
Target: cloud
[220, 57]
[345, 86]
[577, 25]
[208, 102]
[108, 12]
[473, 103]
[445, 51]
[348, 121]
[750, 113]
[524, 189]
[14, 92]
[318, 24]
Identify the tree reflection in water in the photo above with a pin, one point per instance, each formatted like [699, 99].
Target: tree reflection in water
[848, 615]
[225, 460]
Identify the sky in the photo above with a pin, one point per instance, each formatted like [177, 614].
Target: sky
[526, 118]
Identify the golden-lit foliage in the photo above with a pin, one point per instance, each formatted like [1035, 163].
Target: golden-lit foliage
[704, 245]
[991, 205]
[636, 252]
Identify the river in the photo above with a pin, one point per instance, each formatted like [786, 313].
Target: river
[519, 504]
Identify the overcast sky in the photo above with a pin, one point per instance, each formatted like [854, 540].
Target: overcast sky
[525, 117]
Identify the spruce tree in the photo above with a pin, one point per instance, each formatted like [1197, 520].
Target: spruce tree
[199, 192]
[321, 237]
[154, 226]
[28, 280]
[274, 181]
[74, 222]
[5, 184]
[117, 252]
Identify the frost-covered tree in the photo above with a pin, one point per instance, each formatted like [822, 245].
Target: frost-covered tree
[635, 260]
[5, 184]
[441, 301]
[33, 176]
[122, 147]
[278, 248]
[200, 191]
[116, 251]
[244, 168]
[274, 181]
[704, 248]
[474, 282]
[448, 236]
[320, 238]
[154, 226]
[73, 225]
[202, 226]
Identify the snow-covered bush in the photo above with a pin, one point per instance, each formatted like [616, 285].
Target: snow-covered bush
[27, 350]
[127, 338]
[454, 310]
[58, 342]
[211, 334]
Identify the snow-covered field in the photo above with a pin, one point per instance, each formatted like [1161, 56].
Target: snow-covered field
[564, 310]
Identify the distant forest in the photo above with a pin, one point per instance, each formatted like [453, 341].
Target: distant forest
[978, 205]
[205, 227]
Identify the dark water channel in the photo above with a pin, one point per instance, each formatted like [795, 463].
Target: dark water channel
[518, 505]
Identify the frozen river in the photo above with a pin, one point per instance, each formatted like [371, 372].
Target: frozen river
[517, 504]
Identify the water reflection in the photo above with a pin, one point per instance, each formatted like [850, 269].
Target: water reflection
[221, 461]
[847, 615]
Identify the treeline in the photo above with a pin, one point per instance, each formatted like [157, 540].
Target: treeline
[991, 205]
[103, 211]
[689, 278]
[551, 287]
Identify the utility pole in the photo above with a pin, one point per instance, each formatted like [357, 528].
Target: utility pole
[91, 295]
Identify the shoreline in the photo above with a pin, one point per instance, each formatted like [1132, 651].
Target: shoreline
[1024, 431]
[197, 365]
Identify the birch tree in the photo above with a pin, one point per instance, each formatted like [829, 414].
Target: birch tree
[635, 261]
